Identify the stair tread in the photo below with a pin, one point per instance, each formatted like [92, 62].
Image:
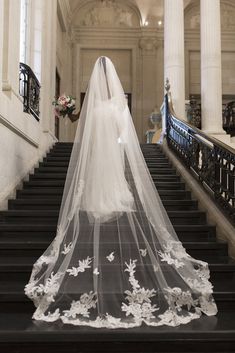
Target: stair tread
[205, 329]
[16, 290]
[49, 213]
[39, 175]
[24, 242]
[221, 286]
[61, 183]
[54, 190]
[222, 262]
[22, 227]
[167, 202]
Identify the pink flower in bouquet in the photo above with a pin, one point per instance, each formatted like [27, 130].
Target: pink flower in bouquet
[64, 105]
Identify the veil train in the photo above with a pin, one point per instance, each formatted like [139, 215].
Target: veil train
[116, 261]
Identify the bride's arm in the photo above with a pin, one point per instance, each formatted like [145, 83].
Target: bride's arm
[122, 119]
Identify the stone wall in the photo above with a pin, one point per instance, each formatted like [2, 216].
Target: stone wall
[115, 28]
[23, 139]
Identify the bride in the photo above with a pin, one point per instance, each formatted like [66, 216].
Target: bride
[116, 261]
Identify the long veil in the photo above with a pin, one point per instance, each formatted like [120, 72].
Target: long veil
[116, 261]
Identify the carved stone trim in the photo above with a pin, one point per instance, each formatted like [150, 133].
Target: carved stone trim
[149, 45]
[192, 17]
[107, 13]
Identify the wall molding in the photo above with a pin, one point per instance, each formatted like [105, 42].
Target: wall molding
[102, 46]
[17, 131]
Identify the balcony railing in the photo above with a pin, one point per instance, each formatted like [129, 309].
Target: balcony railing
[29, 90]
[209, 160]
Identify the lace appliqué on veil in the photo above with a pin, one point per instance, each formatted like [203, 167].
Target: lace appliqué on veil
[139, 302]
[138, 305]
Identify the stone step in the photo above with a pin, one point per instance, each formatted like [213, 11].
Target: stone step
[208, 334]
[166, 184]
[56, 192]
[15, 301]
[55, 176]
[19, 269]
[17, 246]
[51, 216]
[54, 164]
[59, 154]
[203, 232]
[48, 203]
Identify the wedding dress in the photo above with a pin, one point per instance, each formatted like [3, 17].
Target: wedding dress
[116, 261]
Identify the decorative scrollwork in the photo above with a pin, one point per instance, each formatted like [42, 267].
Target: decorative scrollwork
[229, 118]
[29, 90]
[194, 113]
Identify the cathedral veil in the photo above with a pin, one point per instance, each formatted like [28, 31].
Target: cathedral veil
[116, 261]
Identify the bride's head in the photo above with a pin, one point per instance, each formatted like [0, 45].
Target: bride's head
[105, 82]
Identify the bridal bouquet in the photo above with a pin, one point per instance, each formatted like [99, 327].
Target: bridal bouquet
[64, 105]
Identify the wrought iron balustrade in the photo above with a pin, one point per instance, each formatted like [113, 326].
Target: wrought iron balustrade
[229, 118]
[29, 90]
[228, 114]
[194, 113]
[210, 161]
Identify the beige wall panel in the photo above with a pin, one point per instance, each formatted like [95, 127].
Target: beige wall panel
[121, 59]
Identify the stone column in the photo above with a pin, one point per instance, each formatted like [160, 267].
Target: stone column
[148, 47]
[174, 52]
[211, 81]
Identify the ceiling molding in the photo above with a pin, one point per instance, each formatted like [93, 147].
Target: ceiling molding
[126, 3]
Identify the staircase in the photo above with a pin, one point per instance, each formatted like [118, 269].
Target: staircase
[28, 227]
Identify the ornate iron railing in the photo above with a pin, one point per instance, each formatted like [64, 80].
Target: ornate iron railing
[194, 113]
[228, 115]
[29, 90]
[210, 161]
[229, 118]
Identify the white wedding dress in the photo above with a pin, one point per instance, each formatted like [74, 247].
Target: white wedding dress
[100, 184]
[116, 261]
